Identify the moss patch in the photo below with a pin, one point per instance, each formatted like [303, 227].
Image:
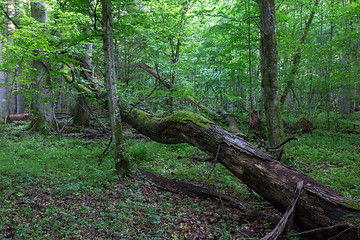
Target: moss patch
[149, 122]
[185, 116]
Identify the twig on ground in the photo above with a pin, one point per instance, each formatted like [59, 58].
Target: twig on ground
[103, 154]
[8, 195]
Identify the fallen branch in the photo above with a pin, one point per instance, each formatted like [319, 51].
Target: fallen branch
[318, 205]
[8, 195]
[278, 230]
[103, 154]
[177, 186]
[20, 117]
[317, 230]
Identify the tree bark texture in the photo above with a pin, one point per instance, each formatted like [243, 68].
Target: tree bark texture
[112, 95]
[318, 205]
[82, 112]
[269, 71]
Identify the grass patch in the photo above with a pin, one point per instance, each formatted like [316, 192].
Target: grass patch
[52, 187]
[331, 156]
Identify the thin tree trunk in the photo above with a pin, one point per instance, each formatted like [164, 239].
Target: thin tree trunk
[3, 89]
[297, 57]
[250, 70]
[113, 101]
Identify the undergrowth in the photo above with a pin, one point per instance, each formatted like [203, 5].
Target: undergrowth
[331, 156]
[51, 187]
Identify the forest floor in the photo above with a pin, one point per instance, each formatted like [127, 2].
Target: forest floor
[52, 187]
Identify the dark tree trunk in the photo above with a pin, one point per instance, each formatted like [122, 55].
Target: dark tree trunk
[318, 205]
[82, 112]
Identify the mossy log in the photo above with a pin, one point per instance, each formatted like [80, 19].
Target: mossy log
[318, 206]
[223, 115]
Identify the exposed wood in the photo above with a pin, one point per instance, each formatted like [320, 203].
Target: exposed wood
[278, 230]
[318, 206]
[19, 117]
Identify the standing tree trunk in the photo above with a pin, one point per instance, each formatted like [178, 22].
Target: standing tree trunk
[110, 79]
[82, 112]
[12, 99]
[82, 108]
[297, 57]
[42, 107]
[3, 89]
[269, 71]
[18, 97]
[175, 54]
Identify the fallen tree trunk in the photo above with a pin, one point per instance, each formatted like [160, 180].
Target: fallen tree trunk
[318, 206]
[232, 124]
[20, 117]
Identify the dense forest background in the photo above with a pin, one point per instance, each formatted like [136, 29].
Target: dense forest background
[70, 67]
[208, 50]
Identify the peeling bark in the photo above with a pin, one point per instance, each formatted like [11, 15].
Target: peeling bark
[318, 206]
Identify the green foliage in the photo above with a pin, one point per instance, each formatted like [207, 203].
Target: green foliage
[329, 157]
[51, 187]
[140, 151]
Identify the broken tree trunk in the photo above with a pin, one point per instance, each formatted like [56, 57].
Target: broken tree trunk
[318, 206]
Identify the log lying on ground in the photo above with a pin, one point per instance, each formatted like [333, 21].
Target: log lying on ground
[177, 186]
[318, 206]
[19, 117]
